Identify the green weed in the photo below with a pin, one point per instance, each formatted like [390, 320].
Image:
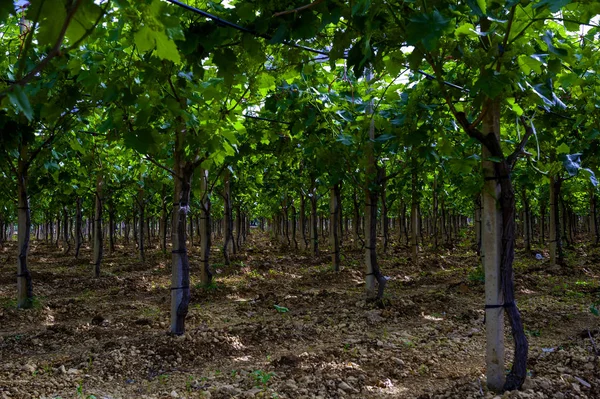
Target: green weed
[262, 378]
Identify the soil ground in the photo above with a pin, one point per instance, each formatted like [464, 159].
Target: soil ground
[279, 323]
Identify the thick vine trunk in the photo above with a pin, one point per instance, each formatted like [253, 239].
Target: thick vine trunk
[372, 184]
[180, 276]
[24, 283]
[205, 233]
[492, 259]
[499, 252]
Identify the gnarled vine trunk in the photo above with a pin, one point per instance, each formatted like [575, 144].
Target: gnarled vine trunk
[24, 283]
[205, 233]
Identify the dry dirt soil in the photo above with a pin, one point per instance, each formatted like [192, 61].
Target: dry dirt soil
[279, 323]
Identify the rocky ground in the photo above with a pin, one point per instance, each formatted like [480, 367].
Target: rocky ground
[281, 324]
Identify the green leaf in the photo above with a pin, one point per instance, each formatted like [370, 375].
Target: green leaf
[143, 39]
[563, 149]
[281, 309]
[83, 20]
[427, 28]
[515, 107]
[266, 82]
[52, 16]
[279, 35]
[19, 100]
[345, 139]
[478, 7]
[553, 5]
[465, 30]
[147, 39]
[494, 159]
[528, 64]
[492, 84]
[166, 48]
[384, 137]
[561, 52]
[6, 8]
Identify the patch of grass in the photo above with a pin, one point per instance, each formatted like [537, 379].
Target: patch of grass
[533, 333]
[477, 275]
[255, 274]
[163, 379]
[10, 303]
[86, 294]
[212, 287]
[150, 312]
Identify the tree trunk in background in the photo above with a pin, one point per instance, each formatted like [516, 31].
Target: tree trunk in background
[555, 240]
[340, 213]
[542, 232]
[384, 214]
[491, 255]
[303, 221]
[98, 250]
[593, 217]
[478, 223]
[163, 220]
[58, 231]
[111, 227]
[527, 221]
[434, 221]
[180, 277]
[285, 225]
[191, 228]
[135, 226]
[78, 232]
[314, 234]
[564, 230]
[205, 239]
[238, 226]
[334, 231]
[294, 240]
[356, 222]
[66, 238]
[24, 284]
[372, 184]
[141, 220]
[414, 215]
[228, 222]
